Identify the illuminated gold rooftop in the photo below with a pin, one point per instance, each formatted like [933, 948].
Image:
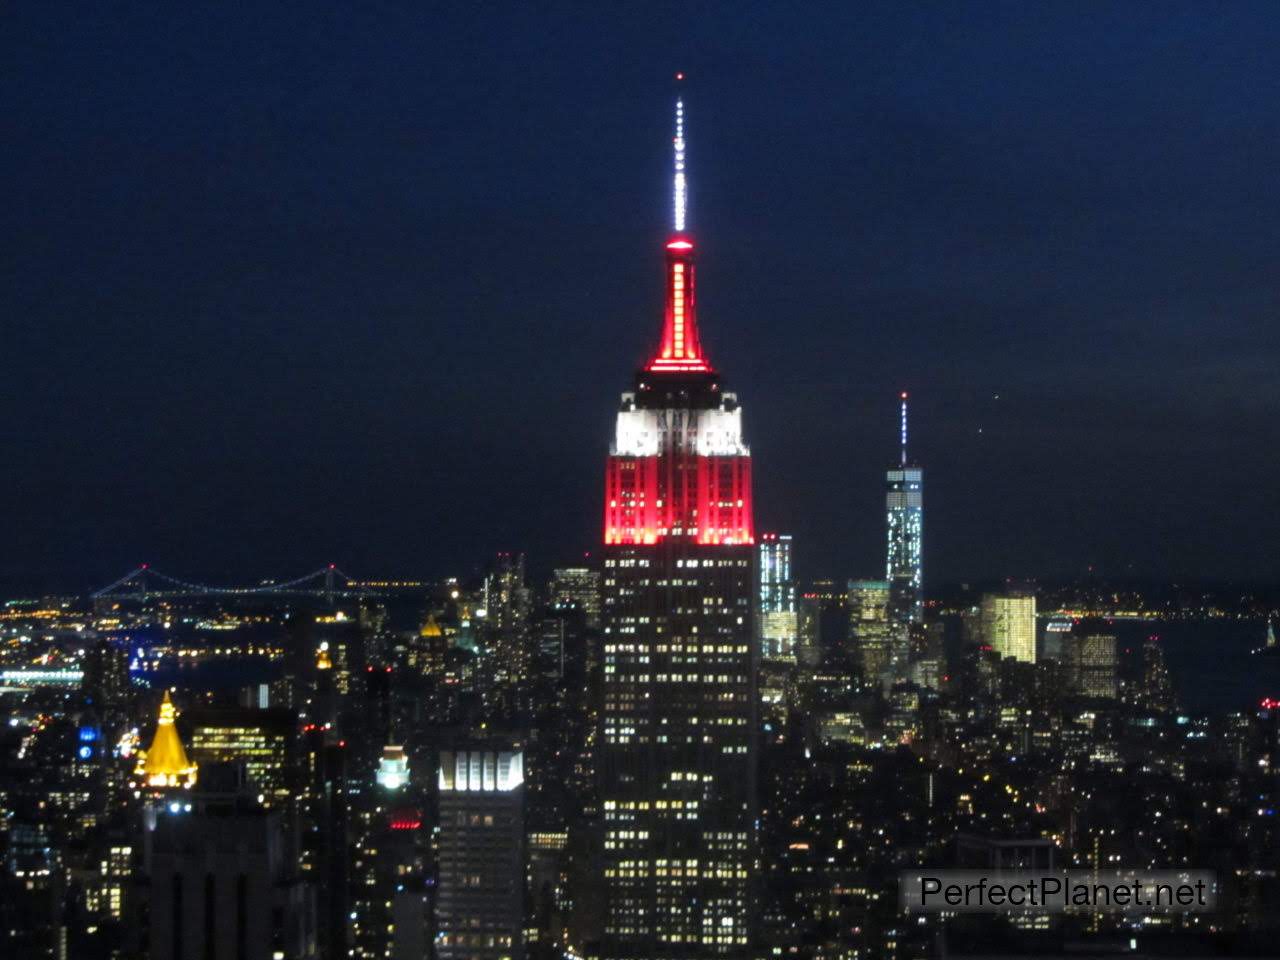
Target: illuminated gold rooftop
[165, 763]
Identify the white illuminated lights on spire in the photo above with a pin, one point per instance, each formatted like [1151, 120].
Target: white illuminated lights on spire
[681, 191]
[904, 428]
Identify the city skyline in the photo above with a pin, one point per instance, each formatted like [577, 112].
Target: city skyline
[597, 674]
[312, 306]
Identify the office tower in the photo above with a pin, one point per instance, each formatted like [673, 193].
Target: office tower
[904, 507]
[1007, 624]
[389, 899]
[777, 614]
[425, 653]
[809, 650]
[677, 740]
[377, 717]
[480, 905]
[872, 635]
[1156, 692]
[106, 679]
[32, 888]
[928, 655]
[400, 884]
[164, 763]
[265, 741]
[903, 721]
[560, 641]
[222, 878]
[344, 645]
[1056, 640]
[325, 854]
[777, 624]
[1091, 661]
[508, 603]
[577, 587]
[388, 871]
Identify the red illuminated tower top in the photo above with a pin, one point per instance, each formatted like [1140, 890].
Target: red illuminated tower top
[680, 350]
[679, 471]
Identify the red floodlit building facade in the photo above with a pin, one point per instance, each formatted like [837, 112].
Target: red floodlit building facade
[676, 749]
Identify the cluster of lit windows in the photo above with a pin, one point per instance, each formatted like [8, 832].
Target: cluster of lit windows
[629, 868]
[619, 734]
[475, 940]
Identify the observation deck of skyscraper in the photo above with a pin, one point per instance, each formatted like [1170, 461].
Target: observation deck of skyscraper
[465, 494]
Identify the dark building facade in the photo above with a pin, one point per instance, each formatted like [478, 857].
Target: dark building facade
[480, 910]
[223, 880]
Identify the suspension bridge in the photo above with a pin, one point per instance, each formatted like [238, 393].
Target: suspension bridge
[145, 582]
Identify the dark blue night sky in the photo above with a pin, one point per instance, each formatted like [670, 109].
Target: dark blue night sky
[282, 285]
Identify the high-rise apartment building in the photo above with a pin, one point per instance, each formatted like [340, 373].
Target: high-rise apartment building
[676, 755]
[1007, 623]
[480, 905]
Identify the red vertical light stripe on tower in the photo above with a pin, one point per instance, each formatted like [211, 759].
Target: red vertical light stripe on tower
[631, 500]
[724, 500]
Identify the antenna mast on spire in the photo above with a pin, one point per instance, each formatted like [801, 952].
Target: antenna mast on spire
[904, 428]
[681, 198]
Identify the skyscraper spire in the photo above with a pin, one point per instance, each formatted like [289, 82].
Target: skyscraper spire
[681, 193]
[680, 350]
[904, 428]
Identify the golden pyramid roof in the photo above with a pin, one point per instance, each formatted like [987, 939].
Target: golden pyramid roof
[166, 763]
[431, 628]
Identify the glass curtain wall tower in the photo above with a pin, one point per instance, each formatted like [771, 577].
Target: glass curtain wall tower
[777, 616]
[904, 508]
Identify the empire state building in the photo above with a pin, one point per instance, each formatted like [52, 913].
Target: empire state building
[677, 755]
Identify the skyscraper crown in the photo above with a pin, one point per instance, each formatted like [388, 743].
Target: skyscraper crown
[680, 350]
